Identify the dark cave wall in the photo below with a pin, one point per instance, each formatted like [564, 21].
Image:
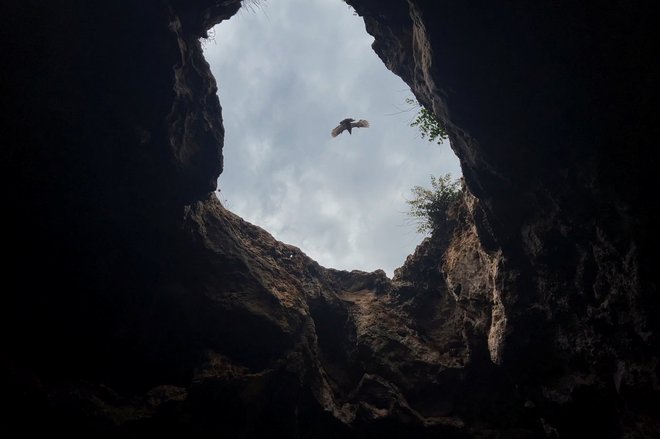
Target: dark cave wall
[551, 111]
[137, 304]
[112, 125]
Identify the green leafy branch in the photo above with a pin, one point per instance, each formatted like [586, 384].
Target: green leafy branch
[429, 126]
[429, 207]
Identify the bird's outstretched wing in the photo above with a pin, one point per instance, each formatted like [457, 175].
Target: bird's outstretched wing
[360, 124]
[338, 130]
[348, 124]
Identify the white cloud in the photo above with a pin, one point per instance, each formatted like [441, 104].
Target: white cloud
[287, 73]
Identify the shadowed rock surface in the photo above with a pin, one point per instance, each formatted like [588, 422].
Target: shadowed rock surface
[136, 303]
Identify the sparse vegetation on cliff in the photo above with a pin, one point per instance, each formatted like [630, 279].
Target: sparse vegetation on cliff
[429, 207]
[429, 126]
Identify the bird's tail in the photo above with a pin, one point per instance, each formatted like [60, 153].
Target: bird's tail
[361, 124]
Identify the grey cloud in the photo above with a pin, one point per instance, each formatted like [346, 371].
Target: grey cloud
[287, 73]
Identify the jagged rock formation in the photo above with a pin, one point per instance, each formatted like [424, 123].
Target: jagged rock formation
[138, 304]
[546, 109]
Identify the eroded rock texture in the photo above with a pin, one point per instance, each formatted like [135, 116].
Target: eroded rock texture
[136, 303]
[547, 110]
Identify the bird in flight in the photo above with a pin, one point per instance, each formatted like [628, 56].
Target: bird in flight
[349, 124]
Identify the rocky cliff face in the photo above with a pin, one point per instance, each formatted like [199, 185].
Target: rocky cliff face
[546, 109]
[138, 304]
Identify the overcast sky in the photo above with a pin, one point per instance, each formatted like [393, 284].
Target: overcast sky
[288, 71]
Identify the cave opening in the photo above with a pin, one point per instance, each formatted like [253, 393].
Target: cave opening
[287, 72]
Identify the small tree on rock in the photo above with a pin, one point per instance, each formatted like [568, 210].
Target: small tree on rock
[429, 207]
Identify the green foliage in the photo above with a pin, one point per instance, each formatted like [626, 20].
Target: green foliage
[429, 207]
[429, 127]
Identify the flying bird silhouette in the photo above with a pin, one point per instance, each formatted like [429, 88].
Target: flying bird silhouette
[349, 124]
